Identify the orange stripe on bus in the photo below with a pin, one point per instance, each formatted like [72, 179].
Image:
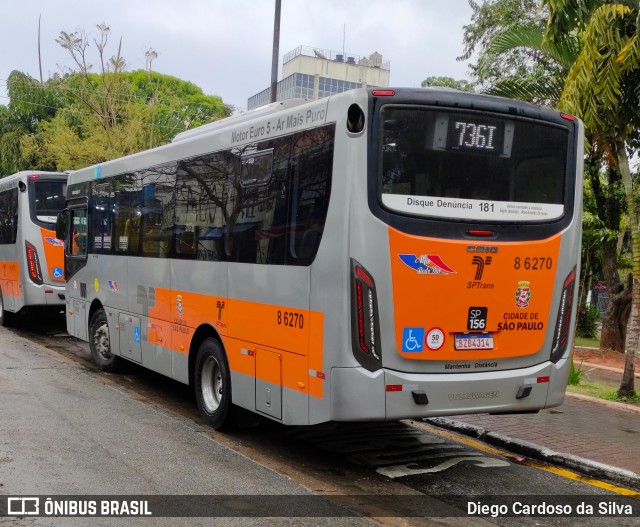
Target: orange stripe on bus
[10, 279]
[290, 339]
[10, 271]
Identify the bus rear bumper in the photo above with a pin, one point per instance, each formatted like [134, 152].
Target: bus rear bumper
[360, 395]
[44, 295]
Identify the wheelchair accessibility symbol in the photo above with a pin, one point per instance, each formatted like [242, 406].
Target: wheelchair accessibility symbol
[57, 272]
[412, 340]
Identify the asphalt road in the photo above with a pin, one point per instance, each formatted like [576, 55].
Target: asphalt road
[68, 429]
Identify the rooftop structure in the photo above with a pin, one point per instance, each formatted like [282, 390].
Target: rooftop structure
[312, 73]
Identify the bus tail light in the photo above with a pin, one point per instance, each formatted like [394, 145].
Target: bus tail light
[365, 328]
[33, 264]
[383, 93]
[563, 321]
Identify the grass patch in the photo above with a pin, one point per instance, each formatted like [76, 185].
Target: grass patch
[576, 374]
[602, 391]
[583, 342]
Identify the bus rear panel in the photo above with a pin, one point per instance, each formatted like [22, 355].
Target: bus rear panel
[31, 257]
[466, 303]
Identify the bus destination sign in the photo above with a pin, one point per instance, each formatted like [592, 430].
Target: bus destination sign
[477, 136]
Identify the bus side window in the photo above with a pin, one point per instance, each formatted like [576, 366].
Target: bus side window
[8, 216]
[311, 187]
[78, 232]
[5, 218]
[154, 242]
[185, 243]
[131, 234]
[101, 219]
[202, 190]
[126, 215]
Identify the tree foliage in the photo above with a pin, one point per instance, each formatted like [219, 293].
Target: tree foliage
[96, 110]
[602, 88]
[538, 81]
[448, 82]
[490, 18]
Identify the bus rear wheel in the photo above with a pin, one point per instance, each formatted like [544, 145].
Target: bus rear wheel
[100, 344]
[213, 386]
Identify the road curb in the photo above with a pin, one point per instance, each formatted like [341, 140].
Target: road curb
[610, 404]
[579, 464]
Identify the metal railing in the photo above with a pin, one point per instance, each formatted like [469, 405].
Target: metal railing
[336, 56]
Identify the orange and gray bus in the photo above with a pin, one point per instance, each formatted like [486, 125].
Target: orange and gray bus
[375, 255]
[31, 257]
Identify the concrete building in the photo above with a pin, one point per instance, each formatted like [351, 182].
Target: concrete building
[312, 73]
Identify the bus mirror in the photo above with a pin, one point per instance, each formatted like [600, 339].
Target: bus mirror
[61, 225]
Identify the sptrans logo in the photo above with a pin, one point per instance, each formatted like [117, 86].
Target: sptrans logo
[426, 264]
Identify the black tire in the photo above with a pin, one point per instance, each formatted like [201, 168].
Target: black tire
[100, 344]
[6, 318]
[212, 384]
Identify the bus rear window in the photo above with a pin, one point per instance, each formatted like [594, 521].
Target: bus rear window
[472, 166]
[49, 199]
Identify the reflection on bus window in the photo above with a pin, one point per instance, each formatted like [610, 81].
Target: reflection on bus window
[49, 199]
[265, 203]
[78, 232]
[8, 216]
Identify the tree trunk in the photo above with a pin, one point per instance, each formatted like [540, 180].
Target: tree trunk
[633, 327]
[609, 207]
[615, 319]
[614, 324]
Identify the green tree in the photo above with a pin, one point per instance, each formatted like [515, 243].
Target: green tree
[602, 88]
[30, 103]
[608, 201]
[94, 113]
[489, 18]
[538, 81]
[448, 82]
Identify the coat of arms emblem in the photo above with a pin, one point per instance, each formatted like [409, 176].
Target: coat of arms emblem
[523, 294]
[179, 305]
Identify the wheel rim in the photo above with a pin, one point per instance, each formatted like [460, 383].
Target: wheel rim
[211, 384]
[101, 341]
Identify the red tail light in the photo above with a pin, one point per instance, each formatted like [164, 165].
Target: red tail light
[563, 322]
[480, 233]
[383, 93]
[364, 318]
[33, 264]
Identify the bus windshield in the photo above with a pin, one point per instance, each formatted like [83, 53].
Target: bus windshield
[472, 165]
[49, 199]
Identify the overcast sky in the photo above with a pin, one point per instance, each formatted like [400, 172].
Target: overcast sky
[225, 47]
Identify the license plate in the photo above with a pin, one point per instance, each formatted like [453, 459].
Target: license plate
[474, 341]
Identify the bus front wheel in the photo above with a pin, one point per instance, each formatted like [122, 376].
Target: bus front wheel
[100, 344]
[213, 386]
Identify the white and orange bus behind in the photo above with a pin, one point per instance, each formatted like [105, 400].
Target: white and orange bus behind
[376, 255]
[31, 257]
